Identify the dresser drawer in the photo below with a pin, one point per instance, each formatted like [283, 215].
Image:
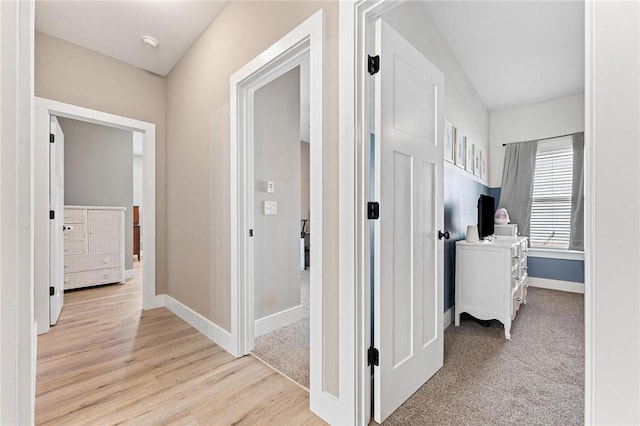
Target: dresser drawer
[77, 232]
[72, 216]
[104, 261]
[77, 279]
[75, 264]
[73, 247]
[105, 276]
[516, 301]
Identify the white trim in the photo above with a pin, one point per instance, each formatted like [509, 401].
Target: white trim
[569, 286]
[590, 202]
[278, 320]
[306, 40]
[43, 109]
[447, 318]
[462, 172]
[17, 327]
[129, 273]
[213, 332]
[555, 253]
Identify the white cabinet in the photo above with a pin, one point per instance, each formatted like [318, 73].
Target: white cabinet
[93, 246]
[491, 279]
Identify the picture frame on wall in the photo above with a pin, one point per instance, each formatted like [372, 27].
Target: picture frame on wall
[459, 148]
[448, 141]
[469, 158]
[476, 161]
[483, 165]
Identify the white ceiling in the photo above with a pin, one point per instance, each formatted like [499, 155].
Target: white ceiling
[518, 52]
[115, 28]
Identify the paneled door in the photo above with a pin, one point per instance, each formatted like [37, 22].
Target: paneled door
[408, 274]
[56, 222]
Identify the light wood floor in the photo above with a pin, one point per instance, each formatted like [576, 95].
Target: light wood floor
[108, 362]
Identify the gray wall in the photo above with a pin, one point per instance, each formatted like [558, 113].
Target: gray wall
[277, 159]
[98, 170]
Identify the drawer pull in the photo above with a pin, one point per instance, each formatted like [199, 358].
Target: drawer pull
[106, 275]
[105, 261]
[519, 299]
[66, 281]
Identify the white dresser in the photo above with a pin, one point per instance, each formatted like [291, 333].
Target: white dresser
[491, 279]
[93, 246]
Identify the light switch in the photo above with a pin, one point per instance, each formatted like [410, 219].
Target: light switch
[270, 208]
[270, 187]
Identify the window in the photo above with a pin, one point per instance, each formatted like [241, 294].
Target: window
[551, 201]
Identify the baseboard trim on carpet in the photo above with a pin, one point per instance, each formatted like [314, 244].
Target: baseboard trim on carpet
[275, 321]
[447, 318]
[213, 332]
[568, 286]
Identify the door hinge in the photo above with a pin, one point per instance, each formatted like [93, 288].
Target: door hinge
[52, 138]
[251, 232]
[373, 356]
[52, 214]
[373, 210]
[373, 64]
[52, 291]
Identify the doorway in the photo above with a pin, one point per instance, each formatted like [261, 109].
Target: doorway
[44, 110]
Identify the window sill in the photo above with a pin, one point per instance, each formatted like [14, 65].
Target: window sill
[555, 253]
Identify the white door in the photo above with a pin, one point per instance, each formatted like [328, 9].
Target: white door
[408, 275]
[56, 205]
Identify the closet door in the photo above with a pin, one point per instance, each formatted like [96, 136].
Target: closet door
[105, 230]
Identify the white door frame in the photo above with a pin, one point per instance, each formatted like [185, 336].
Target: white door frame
[305, 41]
[356, 18]
[43, 109]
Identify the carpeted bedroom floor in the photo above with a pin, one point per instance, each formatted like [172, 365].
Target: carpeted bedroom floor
[537, 378]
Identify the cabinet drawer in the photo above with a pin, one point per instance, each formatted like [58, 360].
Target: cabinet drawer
[72, 216]
[516, 301]
[104, 261]
[78, 232]
[75, 264]
[105, 276]
[77, 279]
[73, 247]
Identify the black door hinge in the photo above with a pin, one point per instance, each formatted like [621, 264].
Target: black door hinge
[52, 138]
[52, 291]
[373, 210]
[251, 232]
[52, 214]
[373, 356]
[373, 64]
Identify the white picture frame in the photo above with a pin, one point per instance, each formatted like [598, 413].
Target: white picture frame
[448, 141]
[469, 147]
[459, 148]
[483, 166]
[476, 161]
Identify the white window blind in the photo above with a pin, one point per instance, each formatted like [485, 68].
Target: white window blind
[551, 203]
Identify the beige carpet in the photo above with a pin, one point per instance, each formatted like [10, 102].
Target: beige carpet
[537, 378]
[287, 349]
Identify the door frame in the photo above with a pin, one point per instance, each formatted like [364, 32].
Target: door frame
[305, 41]
[43, 109]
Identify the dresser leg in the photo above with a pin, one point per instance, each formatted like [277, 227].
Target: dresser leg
[507, 330]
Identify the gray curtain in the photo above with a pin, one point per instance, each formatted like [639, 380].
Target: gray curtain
[576, 239]
[517, 183]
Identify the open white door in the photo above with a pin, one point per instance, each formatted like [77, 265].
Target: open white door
[56, 223]
[408, 283]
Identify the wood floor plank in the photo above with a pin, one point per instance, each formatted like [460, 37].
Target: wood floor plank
[108, 362]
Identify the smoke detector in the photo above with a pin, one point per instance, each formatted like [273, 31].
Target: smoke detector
[149, 41]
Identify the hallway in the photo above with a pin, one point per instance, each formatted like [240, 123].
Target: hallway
[108, 362]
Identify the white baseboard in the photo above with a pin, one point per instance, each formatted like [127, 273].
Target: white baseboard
[275, 321]
[447, 318]
[216, 334]
[129, 273]
[569, 286]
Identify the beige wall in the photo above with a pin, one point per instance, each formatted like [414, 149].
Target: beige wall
[72, 74]
[276, 158]
[198, 173]
[98, 171]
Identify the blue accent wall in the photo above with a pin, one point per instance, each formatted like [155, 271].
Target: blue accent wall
[461, 195]
[556, 269]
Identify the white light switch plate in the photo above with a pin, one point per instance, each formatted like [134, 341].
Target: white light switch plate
[270, 187]
[270, 208]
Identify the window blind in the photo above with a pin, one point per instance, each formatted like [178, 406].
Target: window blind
[551, 200]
